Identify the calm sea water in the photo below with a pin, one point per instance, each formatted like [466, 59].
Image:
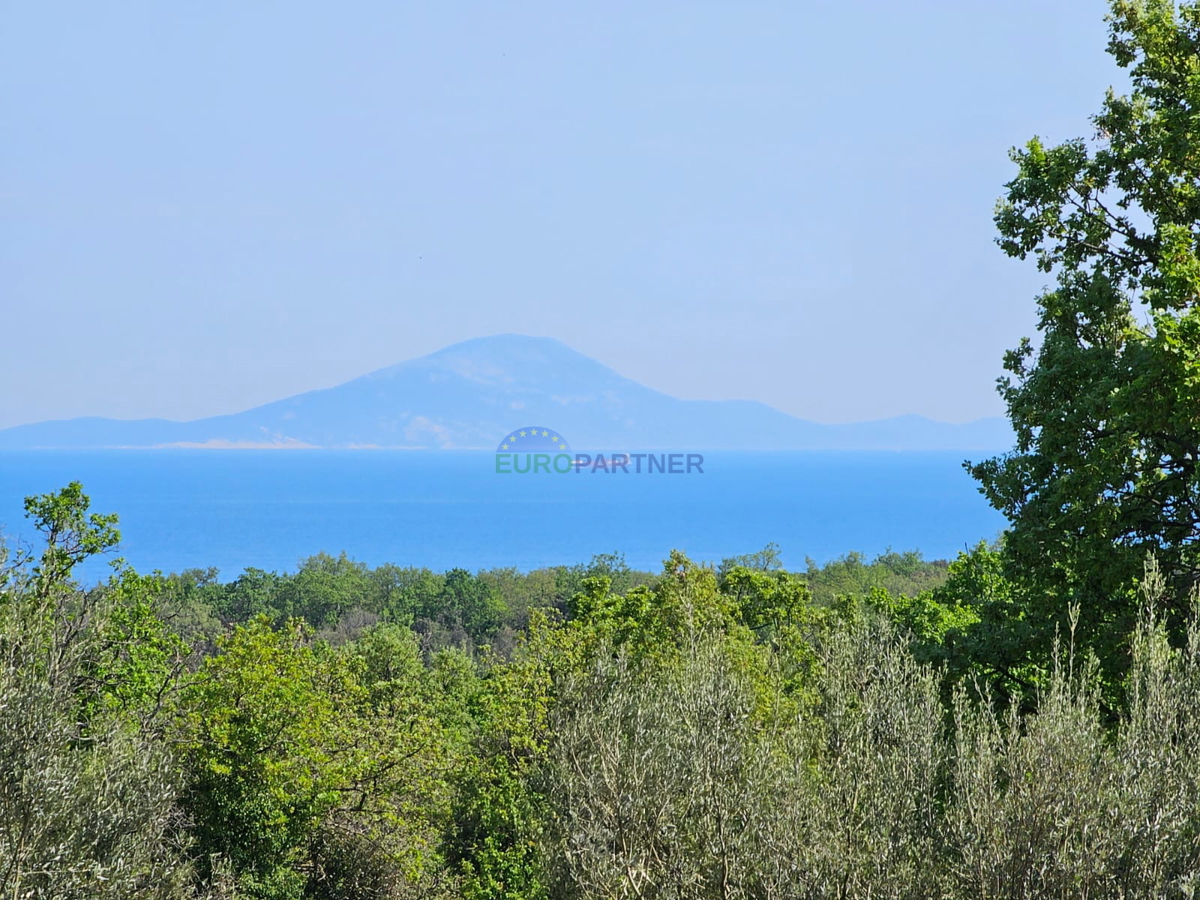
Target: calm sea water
[234, 509]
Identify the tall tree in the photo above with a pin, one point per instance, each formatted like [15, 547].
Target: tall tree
[1107, 409]
[87, 790]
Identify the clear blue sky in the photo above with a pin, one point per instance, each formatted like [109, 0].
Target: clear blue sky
[208, 206]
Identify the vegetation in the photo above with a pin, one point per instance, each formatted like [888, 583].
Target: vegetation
[1107, 408]
[708, 732]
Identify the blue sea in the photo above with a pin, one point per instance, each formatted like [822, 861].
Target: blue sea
[269, 509]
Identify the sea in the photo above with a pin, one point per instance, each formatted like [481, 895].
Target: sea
[269, 509]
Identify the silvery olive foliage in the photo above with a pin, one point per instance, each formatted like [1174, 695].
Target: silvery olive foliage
[1056, 804]
[664, 783]
[667, 785]
[87, 796]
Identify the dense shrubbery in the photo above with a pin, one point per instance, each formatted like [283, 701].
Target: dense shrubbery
[709, 732]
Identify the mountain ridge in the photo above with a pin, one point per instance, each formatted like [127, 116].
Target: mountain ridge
[469, 394]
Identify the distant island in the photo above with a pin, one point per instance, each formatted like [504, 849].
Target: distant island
[468, 395]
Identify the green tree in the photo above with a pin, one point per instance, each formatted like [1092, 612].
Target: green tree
[402, 591]
[326, 587]
[765, 560]
[253, 593]
[493, 841]
[87, 791]
[1107, 409]
[261, 774]
[317, 771]
[469, 602]
[71, 532]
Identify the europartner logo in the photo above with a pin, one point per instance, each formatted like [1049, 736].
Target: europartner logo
[534, 450]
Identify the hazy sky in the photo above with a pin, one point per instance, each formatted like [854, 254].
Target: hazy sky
[208, 206]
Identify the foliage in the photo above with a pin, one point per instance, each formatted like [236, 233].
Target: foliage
[87, 787]
[765, 560]
[906, 573]
[300, 755]
[71, 532]
[662, 782]
[707, 732]
[494, 839]
[260, 769]
[1056, 805]
[1107, 409]
[665, 783]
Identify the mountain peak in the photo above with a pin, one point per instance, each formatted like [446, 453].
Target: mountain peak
[470, 393]
[509, 358]
[508, 340]
[513, 348]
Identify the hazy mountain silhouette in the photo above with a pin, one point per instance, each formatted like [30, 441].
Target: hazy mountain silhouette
[470, 394]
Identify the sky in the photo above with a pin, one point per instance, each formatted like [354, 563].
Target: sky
[205, 207]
